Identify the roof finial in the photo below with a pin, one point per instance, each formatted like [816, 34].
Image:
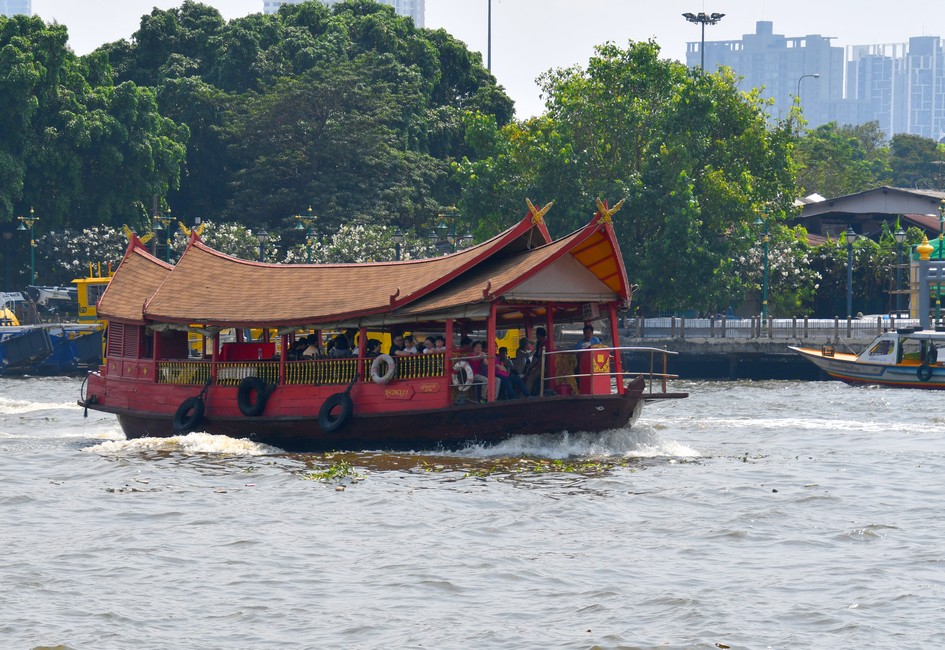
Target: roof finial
[606, 214]
[538, 215]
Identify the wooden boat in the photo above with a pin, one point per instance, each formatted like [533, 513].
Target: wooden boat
[251, 388]
[903, 359]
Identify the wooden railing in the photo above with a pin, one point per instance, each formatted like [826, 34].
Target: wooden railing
[321, 371]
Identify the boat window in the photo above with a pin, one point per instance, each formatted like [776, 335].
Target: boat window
[911, 349]
[882, 348]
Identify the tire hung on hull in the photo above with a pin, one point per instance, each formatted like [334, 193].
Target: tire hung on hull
[335, 412]
[189, 415]
[924, 372]
[249, 388]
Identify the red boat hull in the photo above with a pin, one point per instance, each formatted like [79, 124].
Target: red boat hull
[446, 428]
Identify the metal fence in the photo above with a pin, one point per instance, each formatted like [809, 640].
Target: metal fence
[756, 328]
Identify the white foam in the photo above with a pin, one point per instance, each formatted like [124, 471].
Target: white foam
[16, 406]
[192, 443]
[639, 442]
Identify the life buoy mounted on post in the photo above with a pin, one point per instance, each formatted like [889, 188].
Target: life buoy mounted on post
[251, 396]
[391, 368]
[465, 382]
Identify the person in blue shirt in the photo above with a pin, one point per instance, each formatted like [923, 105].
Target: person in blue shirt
[589, 338]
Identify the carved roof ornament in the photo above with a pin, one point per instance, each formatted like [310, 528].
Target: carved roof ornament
[538, 215]
[606, 214]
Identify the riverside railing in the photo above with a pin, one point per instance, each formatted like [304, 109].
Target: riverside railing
[755, 328]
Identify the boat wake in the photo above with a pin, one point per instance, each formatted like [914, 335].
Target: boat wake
[16, 406]
[639, 442]
[192, 443]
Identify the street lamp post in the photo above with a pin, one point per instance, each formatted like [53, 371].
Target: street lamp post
[163, 223]
[764, 278]
[307, 222]
[263, 237]
[398, 238]
[445, 237]
[703, 19]
[802, 78]
[940, 257]
[26, 223]
[900, 237]
[489, 40]
[851, 237]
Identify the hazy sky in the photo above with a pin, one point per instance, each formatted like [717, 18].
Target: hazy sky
[532, 36]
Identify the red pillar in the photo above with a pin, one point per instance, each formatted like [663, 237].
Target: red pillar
[615, 342]
[491, 354]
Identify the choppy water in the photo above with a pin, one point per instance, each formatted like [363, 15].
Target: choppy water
[752, 515]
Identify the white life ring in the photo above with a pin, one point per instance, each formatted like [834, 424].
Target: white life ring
[376, 375]
[464, 366]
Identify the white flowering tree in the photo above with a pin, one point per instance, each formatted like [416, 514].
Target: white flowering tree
[354, 244]
[65, 255]
[230, 238]
[792, 279]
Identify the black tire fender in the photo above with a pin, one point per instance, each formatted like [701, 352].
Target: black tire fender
[249, 387]
[330, 418]
[924, 372]
[188, 415]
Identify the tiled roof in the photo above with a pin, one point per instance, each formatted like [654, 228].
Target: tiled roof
[209, 287]
[137, 278]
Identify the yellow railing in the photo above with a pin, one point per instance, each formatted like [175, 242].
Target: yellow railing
[321, 371]
[318, 372]
[183, 372]
[231, 373]
[418, 366]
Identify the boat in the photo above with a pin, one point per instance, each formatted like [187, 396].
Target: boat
[252, 387]
[904, 358]
[38, 341]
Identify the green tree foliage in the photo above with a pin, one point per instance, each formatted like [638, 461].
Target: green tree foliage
[917, 162]
[75, 147]
[349, 109]
[695, 159]
[839, 160]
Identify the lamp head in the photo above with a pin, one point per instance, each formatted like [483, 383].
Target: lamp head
[899, 235]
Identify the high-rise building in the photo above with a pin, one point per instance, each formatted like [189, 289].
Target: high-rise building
[900, 85]
[410, 8]
[782, 67]
[13, 7]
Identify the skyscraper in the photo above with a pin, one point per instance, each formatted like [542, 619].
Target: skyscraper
[13, 7]
[410, 8]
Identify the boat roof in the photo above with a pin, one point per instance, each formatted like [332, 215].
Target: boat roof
[922, 335]
[209, 288]
[142, 274]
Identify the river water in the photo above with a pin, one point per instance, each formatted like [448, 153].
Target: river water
[751, 515]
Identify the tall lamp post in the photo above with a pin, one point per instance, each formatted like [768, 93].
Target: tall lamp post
[26, 223]
[703, 19]
[489, 39]
[851, 237]
[763, 223]
[307, 222]
[163, 223]
[262, 236]
[900, 237]
[445, 237]
[940, 257]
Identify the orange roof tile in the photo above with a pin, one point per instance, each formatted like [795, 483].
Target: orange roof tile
[137, 278]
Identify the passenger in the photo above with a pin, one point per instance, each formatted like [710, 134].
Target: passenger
[341, 345]
[533, 379]
[429, 346]
[311, 351]
[589, 338]
[465, 344]
[523, 357]
[297, 349]
[510, 384]
[477, 361]
[373, 349]
[397, 345]
[440, 344]
[409, 347]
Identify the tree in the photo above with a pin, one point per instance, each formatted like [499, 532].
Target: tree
[917, 162]
[694, 158]
[839, 160]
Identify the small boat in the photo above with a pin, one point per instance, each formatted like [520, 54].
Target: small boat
[252, 385]
[904, 358]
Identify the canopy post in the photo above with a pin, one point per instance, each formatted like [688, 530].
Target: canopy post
[362, 351]
[283, 353]
[491, 354]
[615, 342]
[215, 357]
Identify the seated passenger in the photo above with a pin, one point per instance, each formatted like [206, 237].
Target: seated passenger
[589, 338]
[341, 345]
[311, 351]
[409, 347]
[510, 383]
[440, 344]
[429, 347]
[397, 345]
